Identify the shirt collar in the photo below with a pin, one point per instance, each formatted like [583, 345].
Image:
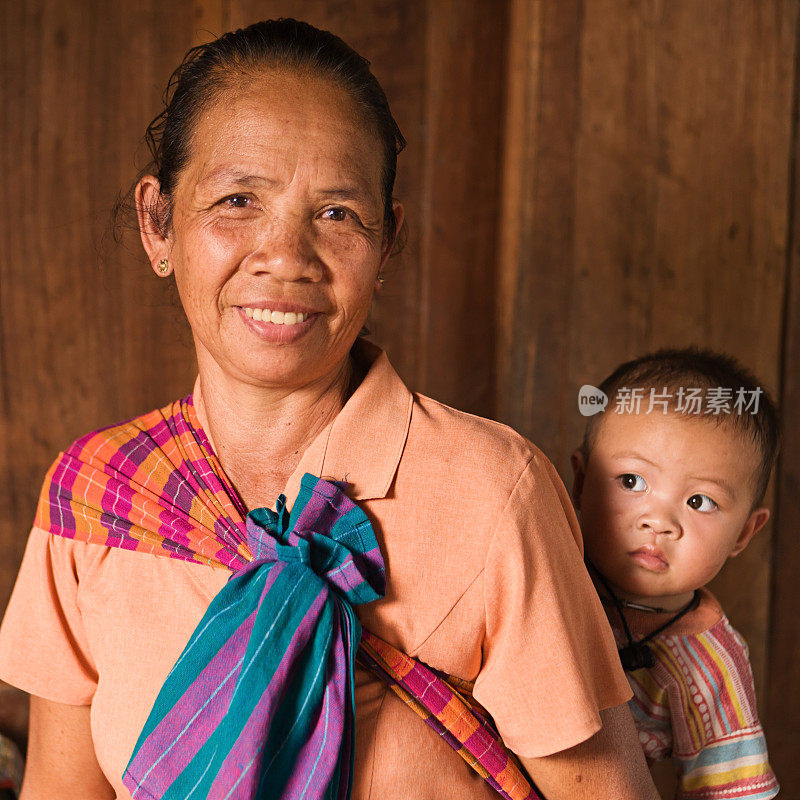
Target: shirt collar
[365, 441]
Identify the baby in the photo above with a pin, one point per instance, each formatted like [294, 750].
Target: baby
[669, 482]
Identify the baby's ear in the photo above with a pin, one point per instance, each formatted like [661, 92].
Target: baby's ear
[578, 461]
[754, 523]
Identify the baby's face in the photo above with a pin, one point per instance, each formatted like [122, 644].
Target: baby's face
[664, 501]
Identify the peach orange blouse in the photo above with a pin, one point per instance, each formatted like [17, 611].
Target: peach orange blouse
[485, 581]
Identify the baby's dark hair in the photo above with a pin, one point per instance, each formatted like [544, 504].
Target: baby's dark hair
[672, 372]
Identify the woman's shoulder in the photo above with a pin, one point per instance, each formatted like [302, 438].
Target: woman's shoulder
[471, 443]
[148, 424]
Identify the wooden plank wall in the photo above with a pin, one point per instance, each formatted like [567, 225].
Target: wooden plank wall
[646, 203]
[584, 180]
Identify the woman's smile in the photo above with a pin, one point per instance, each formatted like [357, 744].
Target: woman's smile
[277, 326]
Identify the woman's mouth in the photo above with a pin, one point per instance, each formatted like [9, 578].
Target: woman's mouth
[275, 317]
[278, 325]
[651, 558]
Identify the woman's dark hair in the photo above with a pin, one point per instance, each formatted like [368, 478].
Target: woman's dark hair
[210, 69]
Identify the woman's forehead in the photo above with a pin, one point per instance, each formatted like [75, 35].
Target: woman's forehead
[278, 124]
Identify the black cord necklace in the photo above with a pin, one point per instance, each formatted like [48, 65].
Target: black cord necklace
[636, 654]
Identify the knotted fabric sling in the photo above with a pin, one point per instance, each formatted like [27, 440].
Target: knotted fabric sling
[260, 704]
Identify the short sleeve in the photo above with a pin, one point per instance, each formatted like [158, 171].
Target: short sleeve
[549, 659]
[43, 644]
[734, 766]
[725, 755]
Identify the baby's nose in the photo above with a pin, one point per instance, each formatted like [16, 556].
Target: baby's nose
[659, 522]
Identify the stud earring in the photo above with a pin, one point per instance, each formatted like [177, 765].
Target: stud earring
[380, 279]
[162, 267]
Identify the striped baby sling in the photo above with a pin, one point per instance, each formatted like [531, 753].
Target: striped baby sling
[260, 703]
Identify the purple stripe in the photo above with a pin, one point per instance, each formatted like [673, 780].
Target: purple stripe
[370, 564]
[324, 508]
[60, 493]
[178, 529]
[319, 755]
[160, 433]
[179, 492]
[116, 502]
[436, 695]
[241, 764]
[480, 743]
[232, 560]
[130, 454]
[207, 716]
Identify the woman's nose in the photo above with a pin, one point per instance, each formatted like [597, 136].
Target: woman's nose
[285, 249]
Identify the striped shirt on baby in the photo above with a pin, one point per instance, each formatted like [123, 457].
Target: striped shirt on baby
[697, 704]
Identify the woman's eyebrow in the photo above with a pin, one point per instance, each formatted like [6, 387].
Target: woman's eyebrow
[234, 176]
[349, 192]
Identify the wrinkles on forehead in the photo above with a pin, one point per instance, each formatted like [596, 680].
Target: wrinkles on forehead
[243, 140]
[249, 99]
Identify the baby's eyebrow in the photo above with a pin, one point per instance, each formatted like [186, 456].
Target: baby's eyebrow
[721, 482]
[637, 456]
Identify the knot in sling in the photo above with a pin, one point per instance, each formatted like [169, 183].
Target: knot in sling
[260, 704]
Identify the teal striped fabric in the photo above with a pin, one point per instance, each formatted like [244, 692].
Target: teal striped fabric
[260, 703]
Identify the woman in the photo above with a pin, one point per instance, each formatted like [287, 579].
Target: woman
[270, 201]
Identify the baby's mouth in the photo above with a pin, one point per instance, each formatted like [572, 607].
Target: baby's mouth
[650, 557]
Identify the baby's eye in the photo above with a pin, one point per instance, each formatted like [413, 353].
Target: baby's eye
[632, 482]
[701, 502]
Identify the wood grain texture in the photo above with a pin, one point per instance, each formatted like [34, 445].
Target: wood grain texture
[782, 709]
[585, 180]
[537, 214]
[88, 334]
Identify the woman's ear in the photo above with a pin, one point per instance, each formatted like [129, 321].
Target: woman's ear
[150, 214]
[754, 523]
[578, 462]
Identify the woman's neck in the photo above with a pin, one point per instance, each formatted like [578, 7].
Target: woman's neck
[260, 434]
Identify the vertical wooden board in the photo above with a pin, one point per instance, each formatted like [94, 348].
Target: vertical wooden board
[464, 99]
[683, 172]
[783, 692]
[87, 333]
[391, 36]
[537, 219]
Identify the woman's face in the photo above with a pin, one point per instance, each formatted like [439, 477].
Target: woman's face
[277, 230]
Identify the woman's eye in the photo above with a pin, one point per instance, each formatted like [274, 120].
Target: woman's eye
[632, 482]
[236, 201]
[335, 214]
[701, 502]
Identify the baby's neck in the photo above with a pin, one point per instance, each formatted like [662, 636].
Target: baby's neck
[656, 603]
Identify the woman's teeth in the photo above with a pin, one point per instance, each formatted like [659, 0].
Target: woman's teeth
[275, 317]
